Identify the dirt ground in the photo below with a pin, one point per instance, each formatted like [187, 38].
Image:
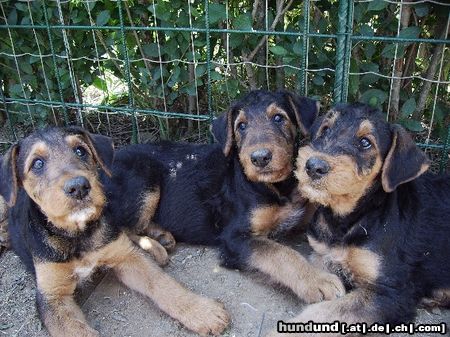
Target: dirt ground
[255, 306]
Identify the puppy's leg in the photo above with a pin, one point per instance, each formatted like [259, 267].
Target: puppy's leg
[164, 237]
[146, 226]
[56, 306]
[158, 252]
[289, 268]
[199, 314]
[362, 305]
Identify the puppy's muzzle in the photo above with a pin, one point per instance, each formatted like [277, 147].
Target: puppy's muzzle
[77, 188]
[261, 157]
[316, 168]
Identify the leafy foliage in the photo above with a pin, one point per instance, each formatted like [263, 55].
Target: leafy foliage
[169, 69]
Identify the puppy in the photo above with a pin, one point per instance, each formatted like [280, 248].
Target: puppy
[234, 194]
[382, 225]
[60, 230]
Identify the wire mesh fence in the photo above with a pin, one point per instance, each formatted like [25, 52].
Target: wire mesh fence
[139, 70]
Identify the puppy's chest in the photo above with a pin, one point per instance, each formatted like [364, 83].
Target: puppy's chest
[356, 265]
[273, 217]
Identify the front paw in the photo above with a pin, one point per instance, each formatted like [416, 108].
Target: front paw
[320, 287]
[205, 317]
[156, 250]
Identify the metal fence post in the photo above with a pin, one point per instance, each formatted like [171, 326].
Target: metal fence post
[343, 50]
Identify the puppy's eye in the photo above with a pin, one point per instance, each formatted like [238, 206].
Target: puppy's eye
[242, 126]
[80, 151]
[365, 143]
[37, 164]
[278, 118]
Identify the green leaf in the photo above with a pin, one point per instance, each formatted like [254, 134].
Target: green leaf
[215, 76]
[150, 49]
[374, 97]
[421, 9]
[200, 70]
[12, 17]
[408, 107]
[389, 51]
[217, 12]
[369, 50]
[318, 80]
[103, 17]
[411, 32]
[366, 30]
[297, 48]
[412, 125]
[100, 84]
[16, 90]
[26, 67]
[377, 5]
[243, 21]
[278, 50]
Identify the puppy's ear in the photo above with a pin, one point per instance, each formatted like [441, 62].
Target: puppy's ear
[102, 148]
[404, 161]
[9, 179]
[222, 130]
[304, 109]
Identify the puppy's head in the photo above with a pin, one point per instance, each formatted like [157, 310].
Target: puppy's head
[58, 169]
[261, 130]
[351, 147]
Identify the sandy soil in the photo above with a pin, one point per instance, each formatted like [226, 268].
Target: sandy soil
[255, 306]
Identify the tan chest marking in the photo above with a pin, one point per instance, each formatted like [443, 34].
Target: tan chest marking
[359, 265]
[265, 219]
[54, 278]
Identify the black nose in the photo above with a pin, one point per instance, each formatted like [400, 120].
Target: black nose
[261, 157]
[316, 168]
[77, 187]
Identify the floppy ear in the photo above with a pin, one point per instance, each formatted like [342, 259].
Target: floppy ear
[305, 110]
[102, 148]
[222, 130]
[9, 180]
[404, 161]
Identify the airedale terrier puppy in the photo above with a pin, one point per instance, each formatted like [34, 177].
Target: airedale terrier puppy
[61, 230]
[235, 193]
[383, 221]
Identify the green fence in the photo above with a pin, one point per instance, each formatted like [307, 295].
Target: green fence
[139, 70]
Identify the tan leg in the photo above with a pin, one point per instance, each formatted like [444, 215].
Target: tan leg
[287, 267]
[355, 307]
[199, 314]
[439, 298]
[57, 308]
[158, 252]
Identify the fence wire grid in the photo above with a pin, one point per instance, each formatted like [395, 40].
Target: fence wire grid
[145, 70]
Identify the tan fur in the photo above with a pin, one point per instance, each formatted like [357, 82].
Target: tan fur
[287, 267]
[149, 203]
[342, 187]
[158, 252]
[4, 234]
[47, 190]
[266, 218]
[57, 282]
[360, 265]
[229, 140]
[199, 314]
[365, 129]
[355, 307]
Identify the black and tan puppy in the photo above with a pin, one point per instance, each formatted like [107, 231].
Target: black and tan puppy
[60, 229]
[235, 193]
[383, 223]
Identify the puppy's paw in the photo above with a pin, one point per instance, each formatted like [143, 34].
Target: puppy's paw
[322, 286]
[158, 252]
[167, 240]
[206, 317]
